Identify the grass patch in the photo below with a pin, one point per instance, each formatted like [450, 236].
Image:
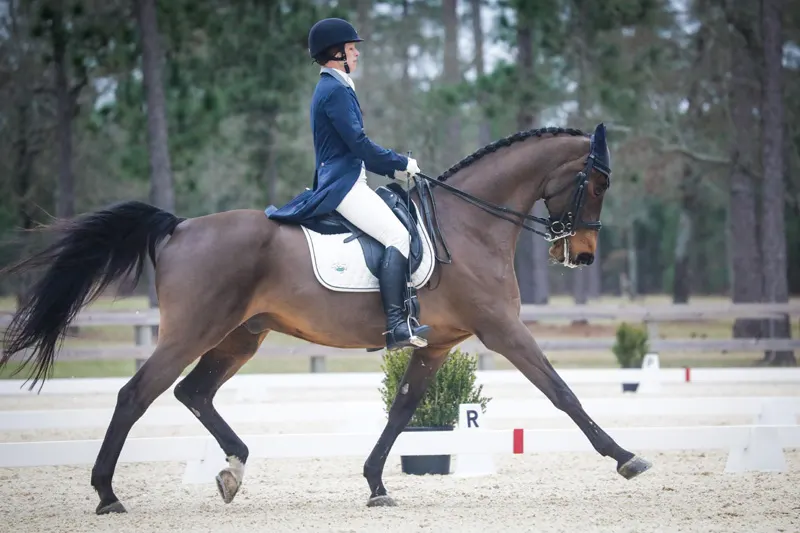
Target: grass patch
[76, 369]
[261, 365]
[372, 363]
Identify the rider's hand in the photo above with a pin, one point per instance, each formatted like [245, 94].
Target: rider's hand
[411, 170]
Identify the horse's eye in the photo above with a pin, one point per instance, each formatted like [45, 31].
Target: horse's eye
[600, 188]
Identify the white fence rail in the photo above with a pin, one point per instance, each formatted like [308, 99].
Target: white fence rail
[739, 440]
[371, 414]
[253, 386]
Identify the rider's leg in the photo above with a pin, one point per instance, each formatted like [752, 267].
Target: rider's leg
[363, 208]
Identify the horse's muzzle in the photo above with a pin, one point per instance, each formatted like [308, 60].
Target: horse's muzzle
[584, 258]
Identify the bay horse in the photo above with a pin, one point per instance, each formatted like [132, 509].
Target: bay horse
[225, 280]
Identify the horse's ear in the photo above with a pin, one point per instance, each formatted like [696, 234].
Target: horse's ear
[600, 151]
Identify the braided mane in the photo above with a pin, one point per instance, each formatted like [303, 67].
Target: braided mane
[502, 143]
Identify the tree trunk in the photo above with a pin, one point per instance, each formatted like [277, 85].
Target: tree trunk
[65, 191]
[688, 236]
[682, 275]
[161, 189]
[773, 230]
[270, 172]
[580, 290]
[531, 259]
[484, 127]
[746, 278]
[633, 262]
[580, 276]
[23, 167]
[540, 263]
[452, 76]
[366, 82]
[594, 277]
[406, 56]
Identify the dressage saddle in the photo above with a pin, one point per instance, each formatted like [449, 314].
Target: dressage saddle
[397, 200]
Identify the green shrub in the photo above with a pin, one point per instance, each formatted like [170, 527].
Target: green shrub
[631, 345]
[454, 385]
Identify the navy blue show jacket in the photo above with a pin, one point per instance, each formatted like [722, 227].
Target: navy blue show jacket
[340, 146]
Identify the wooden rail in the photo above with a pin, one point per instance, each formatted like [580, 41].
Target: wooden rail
[528, 313]
[650, 315]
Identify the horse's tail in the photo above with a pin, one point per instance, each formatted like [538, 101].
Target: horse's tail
[92, 251]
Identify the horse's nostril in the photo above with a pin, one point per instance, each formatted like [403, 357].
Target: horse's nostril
[585, 258]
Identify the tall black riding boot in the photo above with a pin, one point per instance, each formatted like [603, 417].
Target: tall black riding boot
[392, 284]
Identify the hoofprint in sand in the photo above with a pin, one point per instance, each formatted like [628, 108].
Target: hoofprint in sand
[684, 491]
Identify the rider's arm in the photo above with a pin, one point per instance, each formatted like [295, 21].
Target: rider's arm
[341, 108]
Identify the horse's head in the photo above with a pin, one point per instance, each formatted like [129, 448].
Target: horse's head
[574, 195]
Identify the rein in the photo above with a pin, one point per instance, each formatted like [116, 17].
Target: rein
[555, 227]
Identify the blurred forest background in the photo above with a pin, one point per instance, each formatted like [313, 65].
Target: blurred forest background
[202, 106]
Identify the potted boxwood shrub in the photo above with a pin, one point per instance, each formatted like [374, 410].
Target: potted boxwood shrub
[630, 348]
[438, 410]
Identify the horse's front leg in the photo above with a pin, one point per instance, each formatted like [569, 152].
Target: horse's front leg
[422, 368]
[514, 340]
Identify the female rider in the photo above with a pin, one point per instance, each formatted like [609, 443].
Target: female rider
[343, 154]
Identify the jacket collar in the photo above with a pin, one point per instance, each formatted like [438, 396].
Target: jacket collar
[340, 75]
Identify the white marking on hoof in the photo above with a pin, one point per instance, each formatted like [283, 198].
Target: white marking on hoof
[230, 479]
[236, 468]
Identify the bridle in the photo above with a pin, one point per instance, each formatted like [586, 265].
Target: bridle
[556, 227]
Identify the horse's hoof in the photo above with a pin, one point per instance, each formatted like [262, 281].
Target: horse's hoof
[633, 467]
[115, 507]
[227, 485]
[381, 501]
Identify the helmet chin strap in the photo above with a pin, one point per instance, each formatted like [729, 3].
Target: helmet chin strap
[342, 57]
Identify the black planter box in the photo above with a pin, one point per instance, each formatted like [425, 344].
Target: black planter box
[419, 465]
[630, 387]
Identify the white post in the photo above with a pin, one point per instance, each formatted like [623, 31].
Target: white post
[472, 464]
[763, 451]
[317, 363]
[143, 336]
[650, 382]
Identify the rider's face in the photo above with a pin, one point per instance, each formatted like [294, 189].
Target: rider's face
[352, 56]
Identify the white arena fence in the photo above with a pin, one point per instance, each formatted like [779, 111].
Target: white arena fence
[370, 415]
[254, 386]
[758, 447]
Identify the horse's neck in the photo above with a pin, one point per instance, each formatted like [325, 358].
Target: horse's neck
[512, 177]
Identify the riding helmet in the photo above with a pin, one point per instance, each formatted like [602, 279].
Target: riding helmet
[330, 32]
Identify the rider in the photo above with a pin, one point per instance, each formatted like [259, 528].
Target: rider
[343, 154]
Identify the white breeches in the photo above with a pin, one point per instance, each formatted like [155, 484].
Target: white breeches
[367, 211]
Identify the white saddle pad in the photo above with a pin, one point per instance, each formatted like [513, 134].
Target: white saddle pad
[340, 266]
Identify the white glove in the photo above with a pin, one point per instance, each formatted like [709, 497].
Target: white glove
[411, 170]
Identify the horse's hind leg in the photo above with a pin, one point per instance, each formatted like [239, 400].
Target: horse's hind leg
[178, 345]
[197, 390]
[515, 341]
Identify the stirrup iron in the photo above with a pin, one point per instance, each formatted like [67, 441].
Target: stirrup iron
[415, 340]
